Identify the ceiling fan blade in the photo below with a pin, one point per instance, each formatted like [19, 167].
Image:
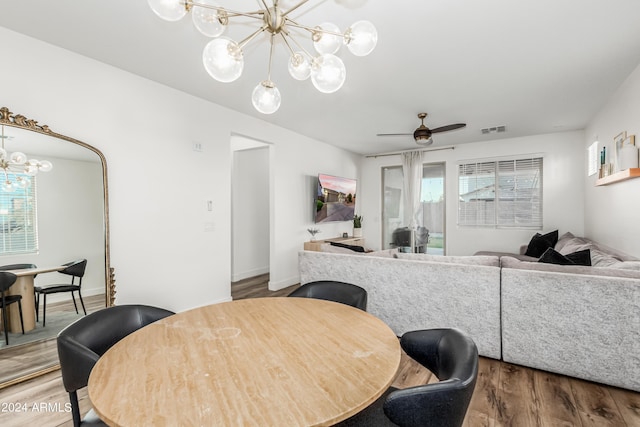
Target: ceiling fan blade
[394, 134]
[448, 127]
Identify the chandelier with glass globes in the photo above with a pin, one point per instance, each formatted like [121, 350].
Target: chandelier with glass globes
[20, 166]
[223, 57]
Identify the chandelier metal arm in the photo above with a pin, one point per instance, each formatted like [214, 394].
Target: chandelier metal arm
[312, 29]
[230, 13]
[264, 4]
[283, 33]
[252, 36]
[270, 58]
[294, 8]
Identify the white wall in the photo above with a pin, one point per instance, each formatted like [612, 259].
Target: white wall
[70, 213]
[250, 213]
[611, 212]
[158, 185]
[562, 196]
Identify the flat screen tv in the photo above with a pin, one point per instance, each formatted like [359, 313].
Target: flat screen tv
[335, 199]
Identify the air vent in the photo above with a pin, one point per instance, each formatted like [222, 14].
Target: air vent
[495, 129]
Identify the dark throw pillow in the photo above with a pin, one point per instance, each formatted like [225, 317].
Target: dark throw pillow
[582, 257]
[551, 256]
[352, 247]
[541, 242]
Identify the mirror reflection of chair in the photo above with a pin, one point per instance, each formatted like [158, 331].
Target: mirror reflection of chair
[81, 344]
[75, 269]
[452, 357]
[6, 281]
[330, 290]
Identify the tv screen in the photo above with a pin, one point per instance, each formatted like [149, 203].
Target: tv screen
[335, 199]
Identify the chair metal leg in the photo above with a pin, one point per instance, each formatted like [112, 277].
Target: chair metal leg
[44, 311]
[75, 408]
[5, 322]
[21, 319]
[36, 299]
[74, 302]
[82, 302]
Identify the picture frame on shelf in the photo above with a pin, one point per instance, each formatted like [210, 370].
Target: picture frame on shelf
[625, 152]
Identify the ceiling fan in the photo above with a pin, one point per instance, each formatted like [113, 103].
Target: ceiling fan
[422, 134]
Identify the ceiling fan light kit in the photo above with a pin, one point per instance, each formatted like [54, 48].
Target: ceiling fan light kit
[223, 57]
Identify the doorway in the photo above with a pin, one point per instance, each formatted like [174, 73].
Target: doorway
[250, 208]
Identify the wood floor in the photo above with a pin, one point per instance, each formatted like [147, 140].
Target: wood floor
[505, 394]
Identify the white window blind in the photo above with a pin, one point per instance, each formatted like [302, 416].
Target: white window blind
[18, 225]
[502, 193]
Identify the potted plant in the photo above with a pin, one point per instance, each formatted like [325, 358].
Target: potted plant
[313, 232]
[357, 226]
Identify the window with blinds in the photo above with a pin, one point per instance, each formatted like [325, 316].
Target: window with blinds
[18, 230]
[502, 193]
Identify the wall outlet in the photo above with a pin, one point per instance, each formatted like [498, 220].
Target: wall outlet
[197, 146]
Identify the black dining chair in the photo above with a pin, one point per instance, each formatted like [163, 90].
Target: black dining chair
[75, 269]
[6, 281]
[81, 344]
[345, 293]
[453, 358]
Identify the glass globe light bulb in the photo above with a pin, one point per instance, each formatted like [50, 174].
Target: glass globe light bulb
[325, 42]
[300, 66]
[223, 59]
[328, 73]
[23, 183]
[209, 22]
[46, 166]
[18, 158]
[266, 97]
[31, 170]
[169, 10]
[361, 38]
[8, 186]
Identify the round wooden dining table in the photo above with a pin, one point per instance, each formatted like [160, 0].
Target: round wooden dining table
[251, 362]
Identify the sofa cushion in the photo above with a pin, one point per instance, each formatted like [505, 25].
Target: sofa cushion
[491, 261]
[627, 265]
[541, 242]
[600, 255]
[551, 256]
[509, 262]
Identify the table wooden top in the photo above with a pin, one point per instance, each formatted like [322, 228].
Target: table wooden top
[252, 362]
[38, 270]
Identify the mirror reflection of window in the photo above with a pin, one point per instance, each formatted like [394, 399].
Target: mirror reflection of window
[18, 216]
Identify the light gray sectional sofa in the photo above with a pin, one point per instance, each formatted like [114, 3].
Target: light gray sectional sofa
[578, 321]
[572, 320]
[410, 295]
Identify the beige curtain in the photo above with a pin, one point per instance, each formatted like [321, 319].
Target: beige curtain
[412, 188]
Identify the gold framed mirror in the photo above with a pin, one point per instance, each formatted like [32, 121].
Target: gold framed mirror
[69, 220]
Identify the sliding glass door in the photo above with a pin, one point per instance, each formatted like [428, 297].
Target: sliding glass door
[433, 206]
[432, 197]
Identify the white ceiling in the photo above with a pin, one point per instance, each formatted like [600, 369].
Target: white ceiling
[534, 66]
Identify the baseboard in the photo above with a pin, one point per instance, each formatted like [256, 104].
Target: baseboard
[281, 284]
[251, 273]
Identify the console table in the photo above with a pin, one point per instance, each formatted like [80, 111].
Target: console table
[316, 245]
